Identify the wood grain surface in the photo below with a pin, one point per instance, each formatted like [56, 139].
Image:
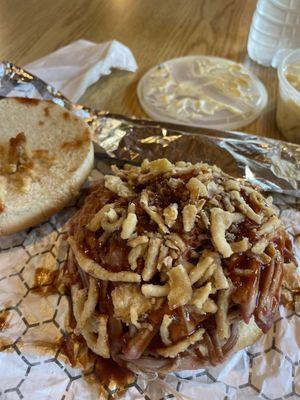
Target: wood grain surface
[155, 31]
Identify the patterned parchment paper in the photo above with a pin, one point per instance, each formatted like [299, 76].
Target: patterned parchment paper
[34, 319]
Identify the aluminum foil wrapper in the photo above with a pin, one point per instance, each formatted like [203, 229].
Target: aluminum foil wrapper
[34, 320]
[271, 164]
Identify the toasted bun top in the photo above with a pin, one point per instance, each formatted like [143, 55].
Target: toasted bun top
[248, 335]
[42, 169]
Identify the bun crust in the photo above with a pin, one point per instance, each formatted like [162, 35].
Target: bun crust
[249, 334]
[66, 139]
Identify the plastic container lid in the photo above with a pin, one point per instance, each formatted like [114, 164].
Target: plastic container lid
[202, 91]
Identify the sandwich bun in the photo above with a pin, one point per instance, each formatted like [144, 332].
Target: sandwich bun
[60, 159]
[248, 335]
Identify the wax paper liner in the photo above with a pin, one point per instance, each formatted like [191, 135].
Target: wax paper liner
[31, 323]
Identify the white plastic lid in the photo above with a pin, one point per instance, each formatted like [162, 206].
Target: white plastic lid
[202, 91]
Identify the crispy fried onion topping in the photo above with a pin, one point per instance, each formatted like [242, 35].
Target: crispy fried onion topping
[130, 304]
[272, 224]
[182, 247]
[221, 316]
[170, 214]
[136, 253]
[245, 208]
[154, 215]
[241, 246]
[200, 269]
[117, 186]
[94, 329]
[149, 290]
[107, 219]
[220, 221]
[164, 329]
[196, 188]
[175, 349]
[90, 304]
[151, 259]
[94, 269]
[189, 217]
[201, 295]
[129, 223]
[158, 167]
[180, 287]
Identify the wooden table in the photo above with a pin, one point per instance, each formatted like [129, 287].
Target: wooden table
[155, 30]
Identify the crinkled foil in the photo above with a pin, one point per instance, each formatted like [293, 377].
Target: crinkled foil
[271, 164]
[33, 321]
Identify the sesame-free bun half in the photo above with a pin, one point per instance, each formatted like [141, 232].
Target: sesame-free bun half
[62, 157]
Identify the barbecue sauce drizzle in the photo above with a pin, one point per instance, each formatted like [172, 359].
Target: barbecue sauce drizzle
[244, 286]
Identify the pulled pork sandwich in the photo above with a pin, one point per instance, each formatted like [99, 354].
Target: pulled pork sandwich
[176, 266]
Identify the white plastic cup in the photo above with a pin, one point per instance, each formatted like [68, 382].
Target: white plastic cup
[288, 101]
[275, 26]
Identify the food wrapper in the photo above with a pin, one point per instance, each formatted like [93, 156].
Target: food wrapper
[35, 318]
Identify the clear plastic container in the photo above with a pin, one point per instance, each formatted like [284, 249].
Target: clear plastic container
[288, 100]
[202, 91]
[278, 13]
[275, 26]
[289, 4]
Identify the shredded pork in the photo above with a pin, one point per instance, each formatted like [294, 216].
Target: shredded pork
[178, 254]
